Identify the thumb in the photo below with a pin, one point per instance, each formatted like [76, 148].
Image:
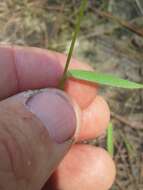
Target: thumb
[36, 131]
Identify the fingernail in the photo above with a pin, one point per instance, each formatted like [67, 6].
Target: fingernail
[56, 112]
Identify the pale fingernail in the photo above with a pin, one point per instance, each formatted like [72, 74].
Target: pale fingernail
[56, 112]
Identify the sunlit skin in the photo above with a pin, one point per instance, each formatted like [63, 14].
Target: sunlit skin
[84, 167]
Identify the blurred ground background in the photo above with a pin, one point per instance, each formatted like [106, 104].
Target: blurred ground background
[111, 39]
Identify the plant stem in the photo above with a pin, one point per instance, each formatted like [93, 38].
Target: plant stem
[110, 144]
[77, 29]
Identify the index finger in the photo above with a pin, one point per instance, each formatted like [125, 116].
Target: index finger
[24, 68]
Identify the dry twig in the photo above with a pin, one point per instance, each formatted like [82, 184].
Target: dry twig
[123, 23]
[126, 121]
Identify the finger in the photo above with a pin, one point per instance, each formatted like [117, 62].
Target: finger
[31, 68]
[95, 119]
[85, 167]
[80, 91]
[34, 137]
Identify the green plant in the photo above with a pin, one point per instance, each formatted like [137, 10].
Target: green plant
[99, 78]
[110, 139]
[77, 29]
[103, 79]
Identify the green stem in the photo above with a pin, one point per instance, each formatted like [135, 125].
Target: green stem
[77, 29]
[110, 143]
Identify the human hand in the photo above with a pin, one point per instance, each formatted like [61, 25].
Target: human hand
[38, 129]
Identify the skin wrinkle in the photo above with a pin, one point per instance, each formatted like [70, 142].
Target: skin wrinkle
[5, 132]
[4, 145]
[15, 150]
[22, 149]
[12, 156]
[16, 180]
[15, 69]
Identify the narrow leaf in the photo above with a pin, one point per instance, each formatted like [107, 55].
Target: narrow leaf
[103, 79]
[110, 143]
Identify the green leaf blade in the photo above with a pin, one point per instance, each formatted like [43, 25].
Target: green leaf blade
[104, 79]
[110, 139]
